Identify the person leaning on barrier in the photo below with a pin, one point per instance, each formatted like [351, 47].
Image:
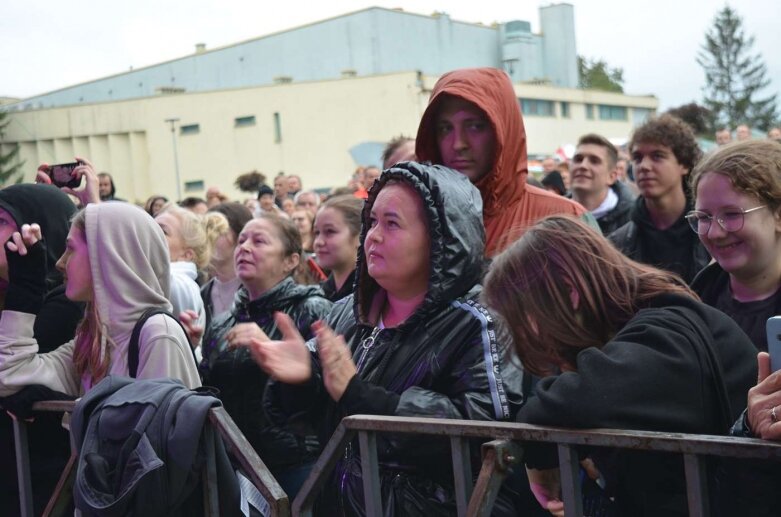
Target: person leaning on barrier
[116, 260]
[411, 341]
[621, 345]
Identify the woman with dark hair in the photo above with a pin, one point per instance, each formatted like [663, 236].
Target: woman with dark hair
[154, 204]
[411, 341]
[621, 345]
[336, 231]
[265, 258]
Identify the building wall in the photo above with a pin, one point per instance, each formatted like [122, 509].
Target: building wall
[368, 42]
[319, 123]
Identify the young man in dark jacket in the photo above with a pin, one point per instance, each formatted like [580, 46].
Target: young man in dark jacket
[663, 152]
[594, 182]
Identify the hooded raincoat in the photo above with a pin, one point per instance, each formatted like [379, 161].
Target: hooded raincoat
[509, 204]
[129, 263]
[447, 360]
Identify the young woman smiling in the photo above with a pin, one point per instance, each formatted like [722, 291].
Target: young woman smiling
[738, 219]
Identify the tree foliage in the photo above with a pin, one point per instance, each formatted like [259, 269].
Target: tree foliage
[596, 74]
[698, 117]
[9, 165]
[734, 76]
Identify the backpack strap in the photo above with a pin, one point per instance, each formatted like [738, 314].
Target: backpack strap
[132, 347]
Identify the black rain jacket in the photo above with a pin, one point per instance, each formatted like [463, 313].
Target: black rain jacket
[445, 361]
[241, 381]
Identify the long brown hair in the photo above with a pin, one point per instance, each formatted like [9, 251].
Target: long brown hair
[90, 352]
[530, 286]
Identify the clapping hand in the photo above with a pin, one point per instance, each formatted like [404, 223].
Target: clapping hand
[287, 360]
[336, 360]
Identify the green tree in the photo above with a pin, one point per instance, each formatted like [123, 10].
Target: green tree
[734, 76]
[9, 165]
[597, 75]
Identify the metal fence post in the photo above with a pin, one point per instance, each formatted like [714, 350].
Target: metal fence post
[370, 471]
[569, 466]
[696, 485]
[462, 472]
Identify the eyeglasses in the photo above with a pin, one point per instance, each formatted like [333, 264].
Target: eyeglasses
[730, 220]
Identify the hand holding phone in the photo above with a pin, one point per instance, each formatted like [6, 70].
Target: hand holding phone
[61, 175]
[774, 342]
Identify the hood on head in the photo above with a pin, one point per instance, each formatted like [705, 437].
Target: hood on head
[48, 206]
[492, 91]
[453, 209]
[130, 264]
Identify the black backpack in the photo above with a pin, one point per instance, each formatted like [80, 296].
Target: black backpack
[132, 347]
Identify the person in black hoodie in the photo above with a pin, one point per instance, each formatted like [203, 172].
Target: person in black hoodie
[52, 210]
[620, 345]
[266, 255]
[412, 340]
[664, 150]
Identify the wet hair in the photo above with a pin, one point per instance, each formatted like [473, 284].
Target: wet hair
[88, 349]
[236, 213]
[529, 286]
[601, 141]
[193, 233]
[752, 166]
[287, 232]
[350, 207]
[672, 132]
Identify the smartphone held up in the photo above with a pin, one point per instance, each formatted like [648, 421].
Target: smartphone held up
[61, 175]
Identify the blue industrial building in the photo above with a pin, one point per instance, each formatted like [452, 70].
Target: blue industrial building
[367, 42]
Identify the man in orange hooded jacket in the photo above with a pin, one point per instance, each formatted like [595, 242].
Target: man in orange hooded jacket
[473, 124]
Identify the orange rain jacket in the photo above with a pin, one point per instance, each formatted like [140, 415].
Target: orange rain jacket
[509, 204]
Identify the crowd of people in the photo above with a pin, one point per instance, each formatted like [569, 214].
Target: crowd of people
[629, 289]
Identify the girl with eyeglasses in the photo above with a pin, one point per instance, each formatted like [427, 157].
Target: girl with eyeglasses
[738, 219]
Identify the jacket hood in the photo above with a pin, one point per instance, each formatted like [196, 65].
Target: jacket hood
[130, 265]
[453, 209]
[49, 207]
[492, 91]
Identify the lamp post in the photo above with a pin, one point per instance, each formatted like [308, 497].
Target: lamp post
[173, 122]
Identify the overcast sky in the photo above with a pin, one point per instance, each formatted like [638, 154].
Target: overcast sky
[49, 44]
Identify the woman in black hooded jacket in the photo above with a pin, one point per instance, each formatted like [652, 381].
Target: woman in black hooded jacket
[413, 341]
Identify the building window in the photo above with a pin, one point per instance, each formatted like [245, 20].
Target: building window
[277, 128]
[193, 186]
[537, 107]
[590, 111]
[612, 112]
[245, 121]
[564, 109]
[191, 129]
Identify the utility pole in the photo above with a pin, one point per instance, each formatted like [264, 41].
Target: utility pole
[173, 122]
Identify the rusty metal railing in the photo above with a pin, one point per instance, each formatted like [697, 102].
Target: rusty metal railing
[236, 445]
[504, 451]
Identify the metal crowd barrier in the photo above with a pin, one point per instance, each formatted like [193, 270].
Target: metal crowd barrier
[504, 451]
[236, 445]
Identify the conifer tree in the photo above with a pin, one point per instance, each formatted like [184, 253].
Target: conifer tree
[734, 76]
[9, 166]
